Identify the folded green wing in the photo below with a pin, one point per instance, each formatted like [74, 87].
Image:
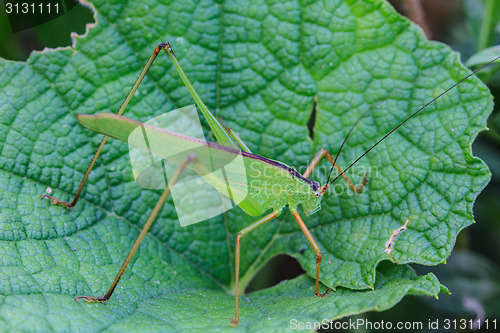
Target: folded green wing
[246, 186]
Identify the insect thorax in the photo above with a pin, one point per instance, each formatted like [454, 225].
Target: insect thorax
[306, 194]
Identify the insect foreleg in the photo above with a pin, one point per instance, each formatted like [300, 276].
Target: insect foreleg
[324, 153]
[237, 252]
[156, 210]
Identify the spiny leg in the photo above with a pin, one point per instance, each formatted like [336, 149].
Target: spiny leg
[141, 76]
[316, 250]
[324, 153]
[156, 210]
[237, 252]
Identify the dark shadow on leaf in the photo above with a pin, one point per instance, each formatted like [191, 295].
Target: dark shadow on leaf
[280, 268]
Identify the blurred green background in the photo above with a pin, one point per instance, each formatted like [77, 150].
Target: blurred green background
[471, 27]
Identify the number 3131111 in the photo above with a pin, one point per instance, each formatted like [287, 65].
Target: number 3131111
[473, 324]
[31, 8]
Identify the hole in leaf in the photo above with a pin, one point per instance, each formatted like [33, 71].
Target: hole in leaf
[312, 120]
[280, 268]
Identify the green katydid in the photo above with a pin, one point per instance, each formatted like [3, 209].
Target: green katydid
[295, 189]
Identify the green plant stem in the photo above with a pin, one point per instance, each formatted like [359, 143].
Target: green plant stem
[489, 21]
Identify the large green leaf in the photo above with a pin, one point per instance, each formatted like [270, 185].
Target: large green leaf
[259, 67]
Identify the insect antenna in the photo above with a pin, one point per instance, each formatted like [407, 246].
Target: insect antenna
[411, 116]
[343, 143]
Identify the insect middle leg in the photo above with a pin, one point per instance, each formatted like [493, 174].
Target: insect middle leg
[324, 153]
[258, 223]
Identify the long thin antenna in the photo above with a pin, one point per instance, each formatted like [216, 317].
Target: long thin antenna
[343, 142]
[415, 113]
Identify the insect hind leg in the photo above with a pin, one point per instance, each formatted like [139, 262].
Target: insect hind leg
[237, 254]
[152, 217]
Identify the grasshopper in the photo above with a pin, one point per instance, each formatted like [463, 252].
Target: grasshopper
[281, 186]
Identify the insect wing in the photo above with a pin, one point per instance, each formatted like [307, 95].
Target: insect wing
[211, 182]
